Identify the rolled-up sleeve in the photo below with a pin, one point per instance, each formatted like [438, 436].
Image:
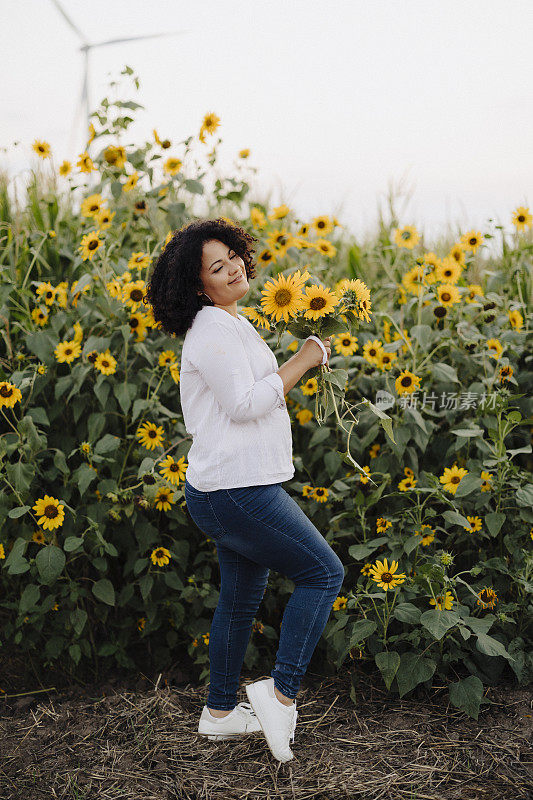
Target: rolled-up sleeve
[221, 359]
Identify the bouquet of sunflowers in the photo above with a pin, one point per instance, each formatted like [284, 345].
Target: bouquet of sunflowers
[288, 304]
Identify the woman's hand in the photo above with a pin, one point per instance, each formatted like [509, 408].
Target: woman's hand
[312, 352]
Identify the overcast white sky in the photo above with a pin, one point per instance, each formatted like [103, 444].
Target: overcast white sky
[335, 100]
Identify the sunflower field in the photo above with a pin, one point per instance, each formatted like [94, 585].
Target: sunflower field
[101, 564]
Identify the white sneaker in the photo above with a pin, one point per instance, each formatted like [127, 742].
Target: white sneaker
[277, 720]
[240, 720]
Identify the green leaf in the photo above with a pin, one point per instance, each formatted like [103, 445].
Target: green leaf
[491, 646]
[387, 663]
[78, 618]
[107, 444]
[494, 522]
[145, 585]
[444, 373]
[125, 394]
[524, 495]
[413, 669]
[361, 630]
[15, 513]
[466, 695]
[50, 561]
[467, 432]
[29, 598]
[407, 612]
[361, 551]
[422, 333]
[439, 622]
[104, 591]
[454, 518]
[469, 483]
[72, 543]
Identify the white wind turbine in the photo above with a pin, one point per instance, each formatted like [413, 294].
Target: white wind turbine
[85, 48]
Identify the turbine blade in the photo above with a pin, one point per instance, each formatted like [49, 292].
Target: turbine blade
[69, 21]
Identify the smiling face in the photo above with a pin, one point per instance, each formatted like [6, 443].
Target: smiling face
[220, 266]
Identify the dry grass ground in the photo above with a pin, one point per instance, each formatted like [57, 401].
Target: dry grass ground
[112, 742]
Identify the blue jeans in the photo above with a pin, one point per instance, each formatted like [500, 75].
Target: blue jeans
[255, 528]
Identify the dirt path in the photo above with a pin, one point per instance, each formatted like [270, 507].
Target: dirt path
[110, 742]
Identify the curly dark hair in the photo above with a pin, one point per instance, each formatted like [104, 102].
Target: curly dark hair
[175, 278]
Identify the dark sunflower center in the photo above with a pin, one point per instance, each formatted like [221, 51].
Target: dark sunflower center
[406, 381]
[50, 512]
[521, 218]
[455, 479]
[136, 295]
[386, 577]
[93, 244]
[406, 235]
[473, 240]
[317, 303]
[445, 296]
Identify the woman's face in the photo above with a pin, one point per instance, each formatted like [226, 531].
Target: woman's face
[220, 266]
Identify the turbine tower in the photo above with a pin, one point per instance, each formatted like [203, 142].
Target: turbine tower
[85, 48]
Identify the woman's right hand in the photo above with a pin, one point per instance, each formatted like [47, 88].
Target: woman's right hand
[312, 352]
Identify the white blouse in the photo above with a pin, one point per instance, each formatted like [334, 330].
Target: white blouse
[233, 405]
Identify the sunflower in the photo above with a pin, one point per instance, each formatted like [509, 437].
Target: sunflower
[38, 537]
[39, 317]
[131, 182]
[139, 260]
[104, 218]
[89, 245]
[522, 218]
[371, 350]
[451, 478]
[474, 290]
[160, 556]
[41, 148]
[115, 155]
[406, 237]
[487, 597]
[325, 247]
[266, 256]
[318, 301]
[448, 294]
[92, 205]
[495, 348]
[303, 230]
[407, 483]
[322, 225]
[166, 358]
[475, 524]
[150, 435]
[164, 498]
[385, 360]
[165, 143]
[457, 253]
[138, 325]
[320, 494]
[374, 450]
[407, 382]
[345, 344]
[244, 153]
[65, 167]
[385, 576]
[283, 296]
[9, 394]
[50, 512]
[279, 241]
[414, 280]
[310, 387]
[448, 271]
[85, 162]
[258, 319]
[46, 292]
[106, 363]
[257, 218]
[486, 486]
[304, 416]
[441, 601]
[172, 165]
[516, 319]
[209, 125]
[133, 293]
[355, 295]
[173, 471]
[382, 524]
[505, 373]
[472, 240]
[280, 212]
[363, 478]
[67, 351]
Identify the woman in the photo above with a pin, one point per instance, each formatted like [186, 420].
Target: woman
[233, 403]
